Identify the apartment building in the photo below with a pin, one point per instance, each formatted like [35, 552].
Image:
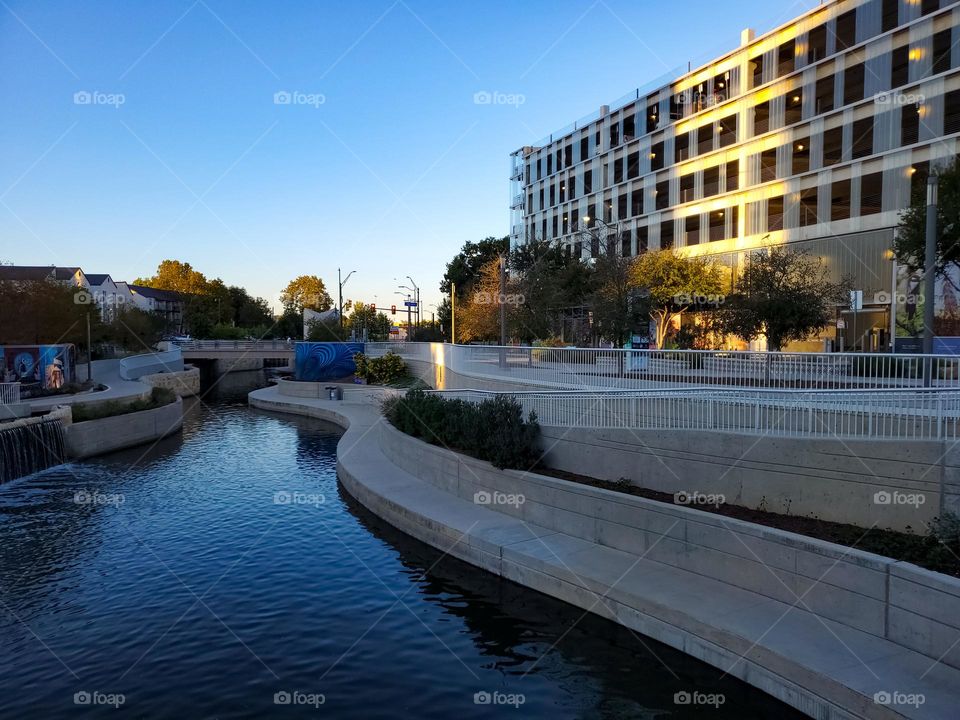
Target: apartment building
[814, 134]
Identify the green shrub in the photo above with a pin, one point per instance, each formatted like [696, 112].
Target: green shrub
[380, 371]
[158, 398]
[493, 430]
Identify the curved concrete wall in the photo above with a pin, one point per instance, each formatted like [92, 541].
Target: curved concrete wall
[95, 437]
[135, 366]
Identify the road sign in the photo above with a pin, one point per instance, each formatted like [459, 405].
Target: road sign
[841, 324]
[410, 303]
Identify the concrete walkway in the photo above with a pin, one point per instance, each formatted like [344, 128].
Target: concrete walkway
[826, 669]
[105, 372]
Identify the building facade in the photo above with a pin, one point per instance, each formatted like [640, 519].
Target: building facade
[814, 135]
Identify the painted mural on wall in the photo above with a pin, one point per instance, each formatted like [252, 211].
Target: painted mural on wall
[323, 361]
[48, 366]
[910, 307]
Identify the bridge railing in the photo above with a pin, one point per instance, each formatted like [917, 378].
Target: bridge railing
[893, 415]
[136, 366]
[9, 393]
[233, 344]
[625, 369]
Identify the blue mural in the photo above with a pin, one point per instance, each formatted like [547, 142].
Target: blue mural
[320, 361]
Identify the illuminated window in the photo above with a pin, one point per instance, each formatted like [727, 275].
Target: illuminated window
[801, 156]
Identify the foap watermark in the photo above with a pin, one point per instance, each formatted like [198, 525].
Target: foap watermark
[95, 697]
[482, 497]
[295, 97]
[896, 98]
[496, 697]
[296, 697]
[899, 698]
[703, 299]
[495, 97]
[485, 298]
[95, 497]
[286, 497]
[82, 297]
[686, 697]
[95, 97]
[886, 298]
[886, 497]
[692, 497]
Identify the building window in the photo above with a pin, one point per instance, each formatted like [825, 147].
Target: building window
[728, 130]
[824, 99]
[618, 170]
[871, 193]
[643, 239]
[761, 118]
[705, 139]
[681, 146]
[793, 102]
[656, 156]
[909, 124]
[629, 128]
[863, 137]
[585, 146]
[785, 56]
[568, 156]
[626, 244]
[775, 213]
[832, 146]
[846, 30]
[929, 6]
[891, 15]
[808, 207]
[840, 200]
[900, 66]
[636, 202]
[756, 66]
[622, 206]
[653, 118]
[817, 44]
[942, 45]
[686, 188]
[587, 182]
[663, 195]
[733, 174]
[801, 156]
[666, 234]
[853, 83]
[553, 194]
[718, 222]
[692, 230]
[951, 112]
[768, 165]
[633, 165]
[711, 181]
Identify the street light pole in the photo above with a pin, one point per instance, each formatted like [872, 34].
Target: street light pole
[341, 283]
[930, 274]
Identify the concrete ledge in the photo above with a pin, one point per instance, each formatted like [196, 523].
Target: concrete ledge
[183, 382]
[721, 590]
[96, 437]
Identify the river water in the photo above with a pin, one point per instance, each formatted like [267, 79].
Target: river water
[175, 582]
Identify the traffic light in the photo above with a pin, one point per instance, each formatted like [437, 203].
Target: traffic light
[373, 308]
[393, 309]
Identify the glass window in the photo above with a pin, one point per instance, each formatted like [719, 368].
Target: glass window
[951, 112]
[682, 147]
[728, 130]
[663, 195]
[768, 165]
[824, 99]
[871, 193]
[775, 213]
[686, 188]
[900, 66]
[793, 102]
[832, 146]
[801, 156]
[656, 156]
[891, 14]
[808, 207]
[692, 230]
[846, 30]
[666, 234]
[863, 137]
[705, 139]
[761, 118]
[785, 56]
[840, 200]
[853, 83]
[733, 174]
[711, 181]
[817, 44]
[909, 124]
[942, 44]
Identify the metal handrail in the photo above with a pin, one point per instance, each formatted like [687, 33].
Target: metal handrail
[10, 393]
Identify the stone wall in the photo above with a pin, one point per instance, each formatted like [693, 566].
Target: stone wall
[183, 383]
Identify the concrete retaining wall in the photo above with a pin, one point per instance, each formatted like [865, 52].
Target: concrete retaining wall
[837, 480]
[240, 364]
[899, 602]
[183, 383]
[95, 437]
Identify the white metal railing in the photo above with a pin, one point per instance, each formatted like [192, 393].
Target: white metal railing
[582, 368]
[897, 415]
[233, 344]
[9, 393]
[136, 366]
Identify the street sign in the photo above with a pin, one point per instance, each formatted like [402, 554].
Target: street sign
[856, 299]
[841, 324]
[410, 303]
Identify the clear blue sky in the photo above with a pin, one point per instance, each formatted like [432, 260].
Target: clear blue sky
[388, 176]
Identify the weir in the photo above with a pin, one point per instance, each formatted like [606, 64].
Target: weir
[30, 448]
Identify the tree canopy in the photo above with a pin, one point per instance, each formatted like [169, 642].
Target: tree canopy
[306, 291]
[910, 240]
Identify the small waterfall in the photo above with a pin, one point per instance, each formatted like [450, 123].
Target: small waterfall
[30, 448]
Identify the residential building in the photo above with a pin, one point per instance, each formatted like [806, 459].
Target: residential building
[814, 135]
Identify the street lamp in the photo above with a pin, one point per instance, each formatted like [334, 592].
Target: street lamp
[406, 297]
[416, 298]
[340, 296]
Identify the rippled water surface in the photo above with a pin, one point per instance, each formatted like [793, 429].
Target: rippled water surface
[179, 583]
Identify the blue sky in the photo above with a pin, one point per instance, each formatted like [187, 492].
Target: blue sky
[384, 165]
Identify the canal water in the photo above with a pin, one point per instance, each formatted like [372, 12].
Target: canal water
[224, 573]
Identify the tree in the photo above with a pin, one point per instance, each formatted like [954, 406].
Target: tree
[478, 314]
[177, 276]
[465, 268]
[783, 294]
[306, 291]
[45, 312]
[671, 284]
[134, 329]
[910, 240]
[364, 317]
[615, 301]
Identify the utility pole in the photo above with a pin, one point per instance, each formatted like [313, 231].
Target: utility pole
[89, 351]
[502, 301]
[930, 275]
[340, 299]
